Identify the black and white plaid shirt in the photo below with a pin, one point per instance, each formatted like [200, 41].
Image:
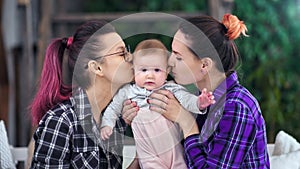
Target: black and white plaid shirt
[68, 137]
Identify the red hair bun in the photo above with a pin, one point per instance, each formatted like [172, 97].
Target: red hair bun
[234, 26]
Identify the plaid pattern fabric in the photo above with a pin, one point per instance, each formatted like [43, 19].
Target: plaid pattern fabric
[236, 132]
[68, 137]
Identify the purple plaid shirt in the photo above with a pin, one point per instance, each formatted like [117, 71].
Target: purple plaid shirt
[233, 134]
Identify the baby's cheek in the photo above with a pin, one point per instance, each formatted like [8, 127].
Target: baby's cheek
[139, 81]
[162, 78]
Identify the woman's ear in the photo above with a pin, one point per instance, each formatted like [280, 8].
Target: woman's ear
[95, 67]
[206, 64]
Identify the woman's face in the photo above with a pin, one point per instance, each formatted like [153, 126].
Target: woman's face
[186, 68]
[115, 68]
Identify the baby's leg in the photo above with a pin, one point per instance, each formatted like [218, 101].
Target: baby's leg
[157, 141]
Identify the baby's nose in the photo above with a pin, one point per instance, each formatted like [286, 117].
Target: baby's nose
[150, 74]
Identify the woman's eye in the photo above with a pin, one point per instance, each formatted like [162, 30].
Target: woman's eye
[178, 58]
[157, 70]
[122, 53]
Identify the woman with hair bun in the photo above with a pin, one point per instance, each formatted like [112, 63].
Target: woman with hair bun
[233, 132]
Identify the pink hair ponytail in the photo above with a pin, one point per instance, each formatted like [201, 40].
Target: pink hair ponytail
[51, 88]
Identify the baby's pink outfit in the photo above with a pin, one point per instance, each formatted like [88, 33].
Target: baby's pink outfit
[157, 141]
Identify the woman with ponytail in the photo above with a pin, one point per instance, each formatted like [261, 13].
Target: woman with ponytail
[79, 78]
[232, 134]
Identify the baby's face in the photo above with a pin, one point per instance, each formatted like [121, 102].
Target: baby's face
[150, 70]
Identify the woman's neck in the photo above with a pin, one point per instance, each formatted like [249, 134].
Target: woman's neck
[99, 97]
[211, 81]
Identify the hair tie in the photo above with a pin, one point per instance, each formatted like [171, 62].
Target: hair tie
[234, 26]
[69, 42]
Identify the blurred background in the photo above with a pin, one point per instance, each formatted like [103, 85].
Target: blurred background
[270, 56]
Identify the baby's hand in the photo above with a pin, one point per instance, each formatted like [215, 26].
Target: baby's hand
[106, 131]
[205, 99]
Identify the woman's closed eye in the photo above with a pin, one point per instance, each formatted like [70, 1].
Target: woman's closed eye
[121, 51]
[178, 58]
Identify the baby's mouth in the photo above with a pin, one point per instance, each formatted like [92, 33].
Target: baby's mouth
[149, 83]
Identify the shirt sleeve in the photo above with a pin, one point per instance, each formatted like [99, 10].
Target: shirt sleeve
[186, 99]
[52, 148]
[228, 145]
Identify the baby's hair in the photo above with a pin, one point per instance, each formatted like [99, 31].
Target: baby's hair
[150, 46]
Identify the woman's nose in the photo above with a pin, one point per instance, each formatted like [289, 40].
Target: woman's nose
[171, 60]
[129, 57]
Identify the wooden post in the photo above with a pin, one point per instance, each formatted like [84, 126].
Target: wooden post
[44, 37]
[26, 82]
[217, 8]
[45, 33]
[4, 86]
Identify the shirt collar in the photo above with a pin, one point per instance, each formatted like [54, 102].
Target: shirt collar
[227, 84]
[232, 80]
[220, 92]
[82, 104]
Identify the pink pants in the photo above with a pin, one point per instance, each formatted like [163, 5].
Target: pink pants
[157, 141]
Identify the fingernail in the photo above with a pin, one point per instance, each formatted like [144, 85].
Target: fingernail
[134, 104]
[137, 108]
[148, 101]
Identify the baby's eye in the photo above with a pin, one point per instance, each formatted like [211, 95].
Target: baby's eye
[157, 70]
[144, 70]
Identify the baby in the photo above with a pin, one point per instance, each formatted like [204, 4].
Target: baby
[157, 139]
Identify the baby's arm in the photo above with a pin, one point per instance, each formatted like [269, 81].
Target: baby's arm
[108, 121]
[189, 101]
[112, 112]
[205, 99]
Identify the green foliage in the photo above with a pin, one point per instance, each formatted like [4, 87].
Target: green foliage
[134, 40]
[144, 5]
[270, 60]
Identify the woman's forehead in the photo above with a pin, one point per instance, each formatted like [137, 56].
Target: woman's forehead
[112, 41]
[180, 41]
